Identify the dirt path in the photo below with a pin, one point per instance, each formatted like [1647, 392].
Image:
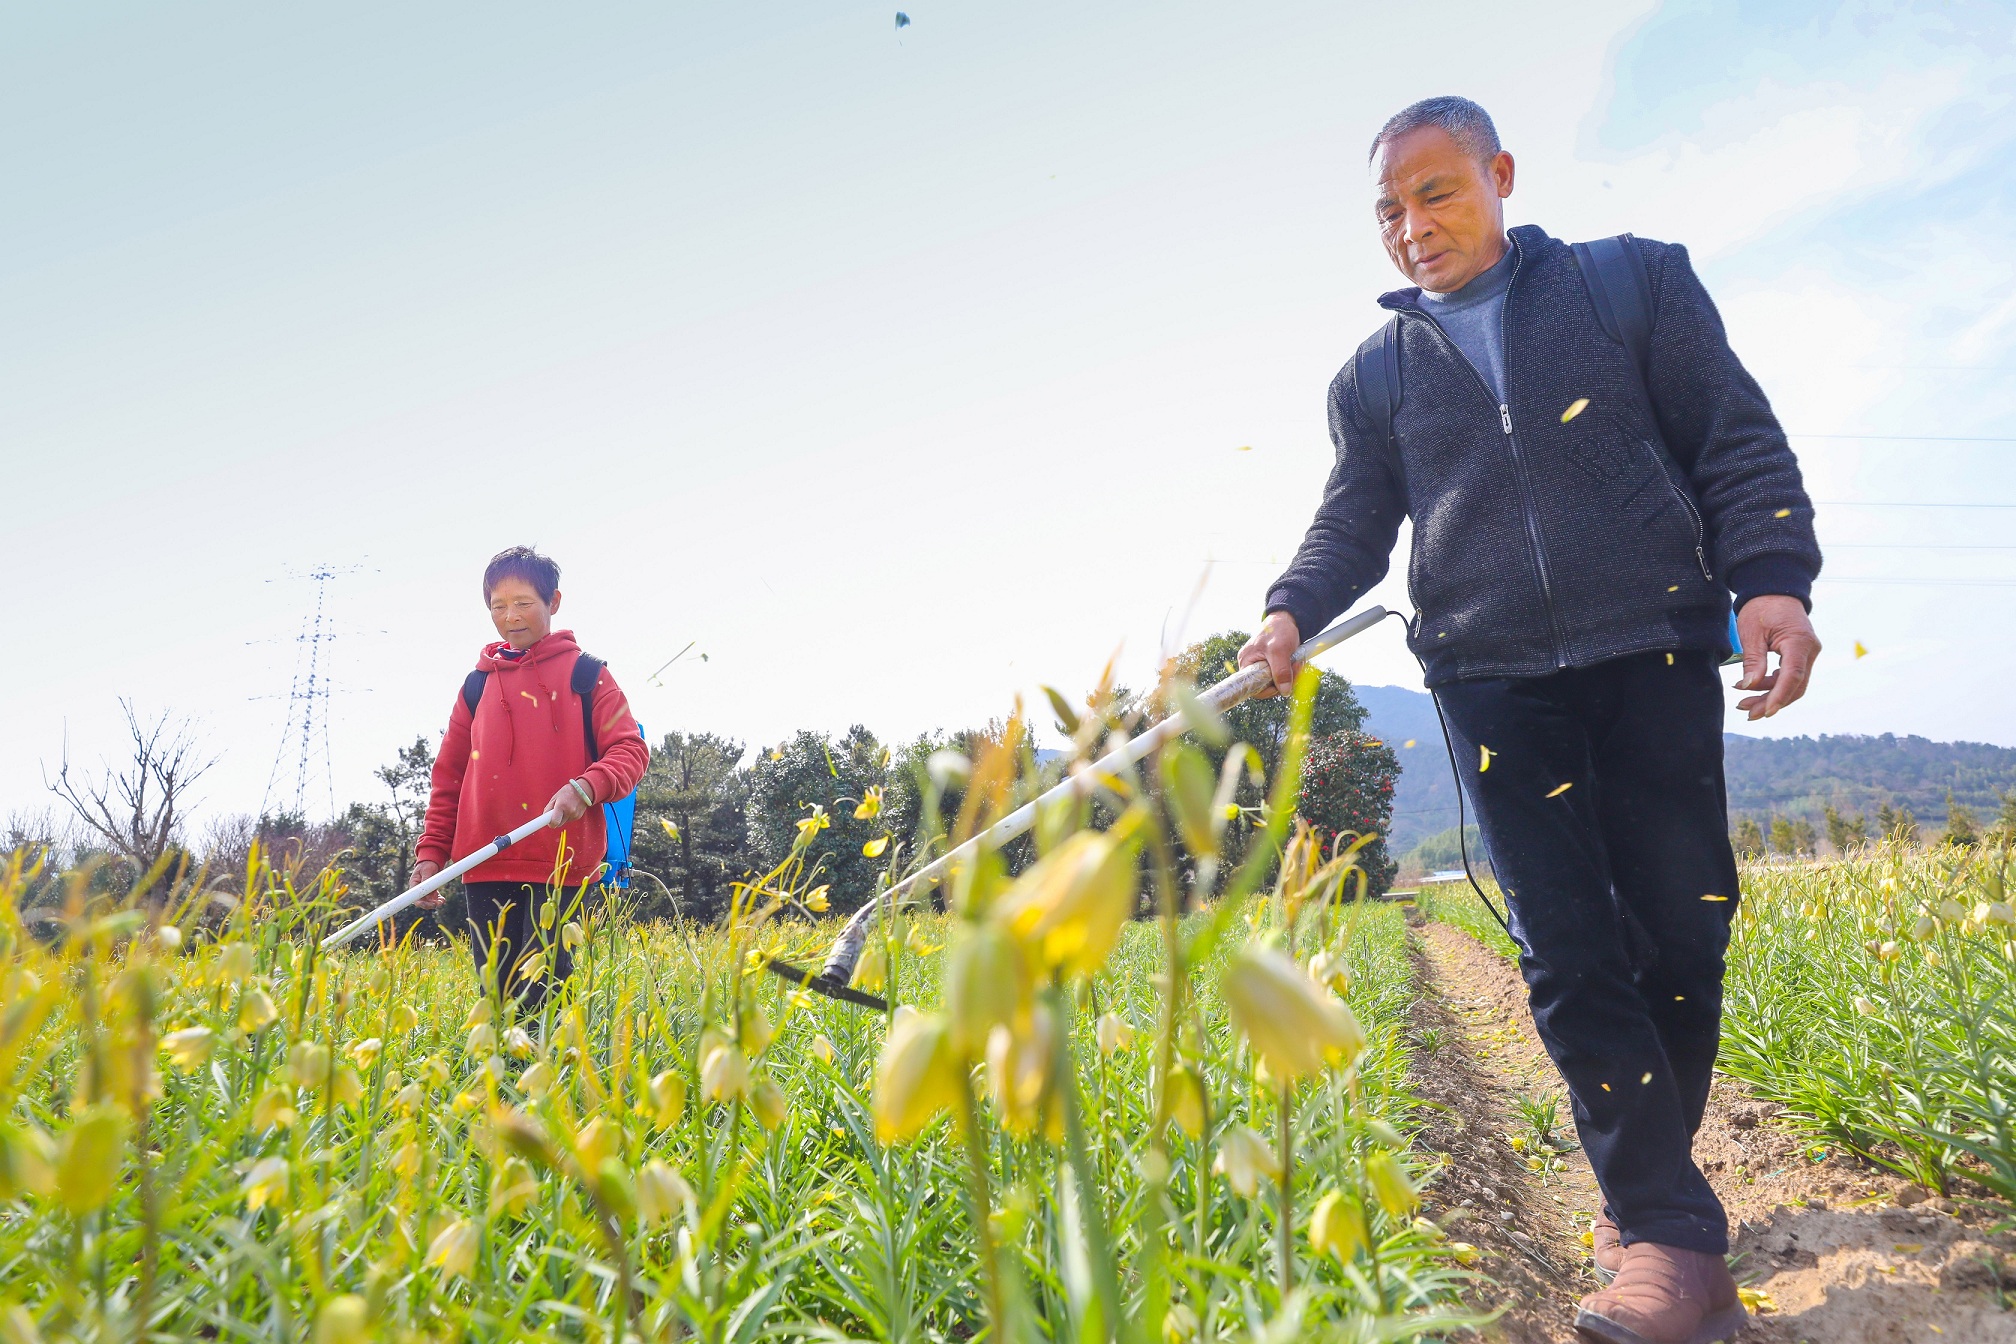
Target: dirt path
[1826, 1242]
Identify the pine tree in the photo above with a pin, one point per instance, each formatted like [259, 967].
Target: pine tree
[1782, 839]
[1961, 829]
[1748, 839]
[1803, 840]
[1837, 829]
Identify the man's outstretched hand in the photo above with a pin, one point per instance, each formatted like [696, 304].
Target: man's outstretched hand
[1767, 625]
[1275, 645]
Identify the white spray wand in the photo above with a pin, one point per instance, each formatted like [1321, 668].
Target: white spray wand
[436, 882]
[832, 979]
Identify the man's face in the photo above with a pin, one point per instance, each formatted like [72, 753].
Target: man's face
[521, 616]
[1441, 212]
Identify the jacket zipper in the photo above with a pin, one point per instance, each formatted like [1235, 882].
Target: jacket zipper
[1700, 533]
[1527, 511]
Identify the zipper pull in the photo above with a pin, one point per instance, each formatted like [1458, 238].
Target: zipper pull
[1505, 416]
[1702, 555]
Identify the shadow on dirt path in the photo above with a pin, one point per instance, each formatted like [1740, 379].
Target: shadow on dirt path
[1823, 1238]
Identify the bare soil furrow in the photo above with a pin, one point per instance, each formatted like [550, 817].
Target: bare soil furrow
[1841, 1252]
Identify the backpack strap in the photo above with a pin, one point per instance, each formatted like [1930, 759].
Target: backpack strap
[472, 689]
[1614, 272]
[587, 671]
[1377, 375]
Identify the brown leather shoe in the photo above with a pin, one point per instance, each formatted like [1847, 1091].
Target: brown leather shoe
[1664, 1295]
[1607, 1250]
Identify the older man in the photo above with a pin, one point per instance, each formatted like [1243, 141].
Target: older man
[1587, 495]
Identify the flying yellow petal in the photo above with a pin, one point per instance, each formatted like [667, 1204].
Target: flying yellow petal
[1575, 408]
[1484, 755]
[1782, 513]
[873, 849]
[1556, 793]
[1861, 651]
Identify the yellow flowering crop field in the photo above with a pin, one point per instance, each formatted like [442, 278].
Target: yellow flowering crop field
[1874, 997]
[1075, 1125]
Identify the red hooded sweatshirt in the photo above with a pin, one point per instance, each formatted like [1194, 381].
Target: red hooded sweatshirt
[500, 766]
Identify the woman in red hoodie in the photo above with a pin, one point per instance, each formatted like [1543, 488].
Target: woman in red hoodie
[522, 750]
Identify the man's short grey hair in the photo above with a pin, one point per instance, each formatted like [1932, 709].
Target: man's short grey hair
[1467, 124]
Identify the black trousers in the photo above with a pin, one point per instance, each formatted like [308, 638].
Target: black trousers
[507, 914]
[1605, 812]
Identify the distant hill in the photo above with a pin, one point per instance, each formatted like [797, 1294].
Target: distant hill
[1798, 776]
[1424, 799]
[1789, 776]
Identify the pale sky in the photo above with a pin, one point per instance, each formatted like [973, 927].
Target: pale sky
[900, 372]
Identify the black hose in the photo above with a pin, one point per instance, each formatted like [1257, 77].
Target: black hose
[1462, 817]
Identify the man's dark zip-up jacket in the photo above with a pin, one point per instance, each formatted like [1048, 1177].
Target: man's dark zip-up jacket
[1542, 543]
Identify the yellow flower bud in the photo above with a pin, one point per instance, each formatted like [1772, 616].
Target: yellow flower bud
[518, 1043]
[724, 1074]
[405, 1018]
[234, 963]
[409, 1098]
[1183, 1101]
[345, 1087]
[1243, 1158]
[1073, 905]
[365, 1053]
[27, 1161]
[482, 1039]
[756, 1033]
[668, 1099]
[308, 1064]
[816, 902]
[275, 1107]
[1337, 1228]
[256, 1011]
[453, 1250]
[514, 1189]
[766, 1103]
[823, 1048]
[871, 973]
[190, 1047]
[662, 1193]
[266, 1183]
[1114, 1033]
[1295, 1027]
[345, 1319]
[89, 1156]
[484, 1012]
[573, 937]
[916, 1077]
[988, 983]
[537, 1080]
[1390, 1183]
[1019, 1066]
[598, 1139]
[1329, 969]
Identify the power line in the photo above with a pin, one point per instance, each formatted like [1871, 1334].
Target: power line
[1926, 583]
[1902, 504]
[1911, 438]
